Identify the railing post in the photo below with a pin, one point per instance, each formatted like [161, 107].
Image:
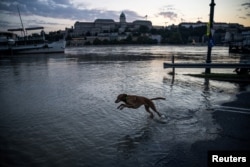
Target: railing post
[173, 69]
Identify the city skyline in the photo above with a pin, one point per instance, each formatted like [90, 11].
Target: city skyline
[59, 14]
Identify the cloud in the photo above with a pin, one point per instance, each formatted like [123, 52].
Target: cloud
[131, 15]
[60, 9]
[169, 7]
[4, 23]
[246, 5]
[170, 15]
[242, 17]
[246, 8]
[243, 11]
[169, 11]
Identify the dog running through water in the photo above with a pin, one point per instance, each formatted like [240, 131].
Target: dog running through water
[133, 101]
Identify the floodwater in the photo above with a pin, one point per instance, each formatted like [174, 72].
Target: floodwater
[59, 110]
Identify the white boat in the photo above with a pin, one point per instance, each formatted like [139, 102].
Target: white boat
[54, 47]
[10, 43]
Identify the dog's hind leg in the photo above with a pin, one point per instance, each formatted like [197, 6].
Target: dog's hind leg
[147, 109]
[154, 109]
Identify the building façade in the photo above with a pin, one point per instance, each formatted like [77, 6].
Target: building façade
[102, 27]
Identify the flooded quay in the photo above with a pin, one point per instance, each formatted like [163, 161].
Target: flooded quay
[60, 110]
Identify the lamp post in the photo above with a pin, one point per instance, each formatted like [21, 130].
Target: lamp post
[210, 36]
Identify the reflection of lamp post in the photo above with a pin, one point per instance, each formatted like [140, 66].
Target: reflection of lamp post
[210, 35]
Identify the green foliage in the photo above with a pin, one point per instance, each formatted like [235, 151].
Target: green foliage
[97, 41]
[170, 35]
[192, 32]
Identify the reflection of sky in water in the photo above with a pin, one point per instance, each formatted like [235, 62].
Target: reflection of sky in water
[62, 108]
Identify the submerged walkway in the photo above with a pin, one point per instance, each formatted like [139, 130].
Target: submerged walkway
[206, 65]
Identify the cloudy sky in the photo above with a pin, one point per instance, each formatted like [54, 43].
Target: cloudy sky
[58, 14]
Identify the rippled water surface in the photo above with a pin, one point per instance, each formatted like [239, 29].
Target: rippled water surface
[59, 110]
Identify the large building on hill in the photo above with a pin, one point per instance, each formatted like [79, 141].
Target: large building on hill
[108, 31]
[104, 26]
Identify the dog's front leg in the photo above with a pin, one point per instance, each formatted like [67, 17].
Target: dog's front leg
[121, 106]
[125, 105]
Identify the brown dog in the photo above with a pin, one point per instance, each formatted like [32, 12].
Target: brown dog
[133, 101]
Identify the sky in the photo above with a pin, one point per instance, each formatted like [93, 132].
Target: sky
[56, 15]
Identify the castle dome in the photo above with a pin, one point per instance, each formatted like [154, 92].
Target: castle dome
[122, 18]
[122, 15]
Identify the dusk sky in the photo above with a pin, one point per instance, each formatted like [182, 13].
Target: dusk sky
[58, 14]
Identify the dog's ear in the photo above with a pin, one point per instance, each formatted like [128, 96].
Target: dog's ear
[121, 97]
[124, 97]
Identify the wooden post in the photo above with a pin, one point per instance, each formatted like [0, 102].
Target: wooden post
[173, 69]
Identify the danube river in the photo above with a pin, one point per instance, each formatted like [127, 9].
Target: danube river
[59, 110]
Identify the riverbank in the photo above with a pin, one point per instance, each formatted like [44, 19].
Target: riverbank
[224, 77]
[233, 118]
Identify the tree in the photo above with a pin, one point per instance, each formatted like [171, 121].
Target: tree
[129, 39]
[97, 41]
[143, 29]
[175, 38]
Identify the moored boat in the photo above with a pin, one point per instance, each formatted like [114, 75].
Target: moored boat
[10, 43]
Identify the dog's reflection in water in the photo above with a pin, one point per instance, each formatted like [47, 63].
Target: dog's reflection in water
[127, 144]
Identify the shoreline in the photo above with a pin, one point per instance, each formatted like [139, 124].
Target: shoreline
[224, 77]
[234, 132]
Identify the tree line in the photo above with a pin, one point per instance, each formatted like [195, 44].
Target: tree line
[169, 35]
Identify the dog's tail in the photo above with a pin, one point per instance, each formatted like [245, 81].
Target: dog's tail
[158, 98]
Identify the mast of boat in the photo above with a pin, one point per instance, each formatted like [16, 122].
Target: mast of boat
[21, 21]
